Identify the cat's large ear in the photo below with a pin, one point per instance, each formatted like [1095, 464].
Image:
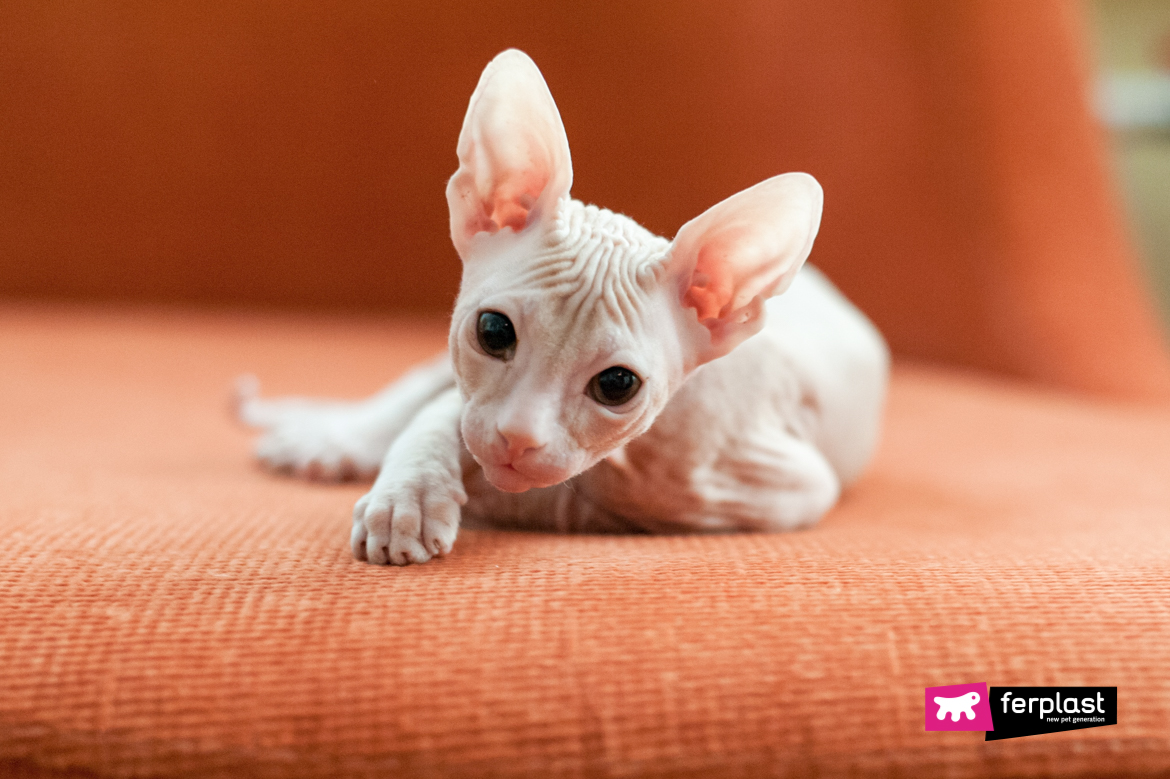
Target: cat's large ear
[731, 258]
[514, 161]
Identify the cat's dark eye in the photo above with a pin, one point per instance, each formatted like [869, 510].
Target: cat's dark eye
[614, 386]
[496, 335]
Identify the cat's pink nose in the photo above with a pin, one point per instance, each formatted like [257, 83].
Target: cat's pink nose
[516, 442]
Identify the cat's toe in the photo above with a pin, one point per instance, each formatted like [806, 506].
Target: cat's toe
[374, 535]
[357, 541]
[440, 524]
[406, 530]
[358, 533]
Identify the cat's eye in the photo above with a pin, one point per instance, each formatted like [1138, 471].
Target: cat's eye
[496, 335]
[614, 386]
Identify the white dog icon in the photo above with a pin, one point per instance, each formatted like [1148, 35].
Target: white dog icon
[960, 704]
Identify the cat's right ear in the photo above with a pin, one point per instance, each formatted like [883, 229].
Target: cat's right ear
[728, 260]
[514, 164]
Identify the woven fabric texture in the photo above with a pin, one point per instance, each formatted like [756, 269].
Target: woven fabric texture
[168, 610]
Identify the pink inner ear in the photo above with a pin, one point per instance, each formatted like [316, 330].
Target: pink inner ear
[712, 281]
[514, 197]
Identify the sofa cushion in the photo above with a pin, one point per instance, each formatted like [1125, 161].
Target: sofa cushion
[168, 609]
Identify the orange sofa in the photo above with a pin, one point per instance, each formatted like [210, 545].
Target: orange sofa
[192, 192]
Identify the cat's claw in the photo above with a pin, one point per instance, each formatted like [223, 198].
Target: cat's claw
[406, 519]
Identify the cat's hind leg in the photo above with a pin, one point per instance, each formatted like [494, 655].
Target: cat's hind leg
[332, 440]
[759, 480]
[766, 482]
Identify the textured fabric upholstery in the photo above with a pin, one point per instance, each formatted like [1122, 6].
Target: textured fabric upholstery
[168, 610]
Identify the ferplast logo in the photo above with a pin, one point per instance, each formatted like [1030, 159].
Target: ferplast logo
[958, 707]
[1030, 711]
[1011, 712]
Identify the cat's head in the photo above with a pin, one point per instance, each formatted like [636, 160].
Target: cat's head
[574, 325]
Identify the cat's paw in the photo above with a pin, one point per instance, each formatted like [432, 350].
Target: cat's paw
[408, 517]
[319, 440]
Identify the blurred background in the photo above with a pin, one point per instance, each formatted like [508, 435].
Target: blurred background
[1133, 60]
[293, 155]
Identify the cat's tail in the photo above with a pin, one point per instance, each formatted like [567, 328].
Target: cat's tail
[245, 395]
[251, 410]
[247, 407]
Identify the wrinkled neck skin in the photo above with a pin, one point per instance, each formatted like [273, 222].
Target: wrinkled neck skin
[587, 292]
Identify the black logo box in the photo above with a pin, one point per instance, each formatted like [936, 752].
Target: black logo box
[1029, 711]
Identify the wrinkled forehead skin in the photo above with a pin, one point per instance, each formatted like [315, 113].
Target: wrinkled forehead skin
[589, 284]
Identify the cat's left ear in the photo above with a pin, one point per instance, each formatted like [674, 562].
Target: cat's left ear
[727, 261]
[514, 163]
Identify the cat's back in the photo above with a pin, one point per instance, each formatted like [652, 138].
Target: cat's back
[819, 345]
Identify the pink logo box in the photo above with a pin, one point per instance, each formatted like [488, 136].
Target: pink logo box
[958, 707]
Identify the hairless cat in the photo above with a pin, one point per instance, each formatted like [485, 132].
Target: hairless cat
[600, 377]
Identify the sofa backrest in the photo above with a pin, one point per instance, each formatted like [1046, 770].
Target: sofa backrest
[296, 154]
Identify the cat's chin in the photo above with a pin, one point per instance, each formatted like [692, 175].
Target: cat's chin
[507, 479]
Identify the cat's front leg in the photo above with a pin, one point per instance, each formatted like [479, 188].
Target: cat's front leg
[412, 512]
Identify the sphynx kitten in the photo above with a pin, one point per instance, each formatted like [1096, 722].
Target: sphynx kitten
[600, 377]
